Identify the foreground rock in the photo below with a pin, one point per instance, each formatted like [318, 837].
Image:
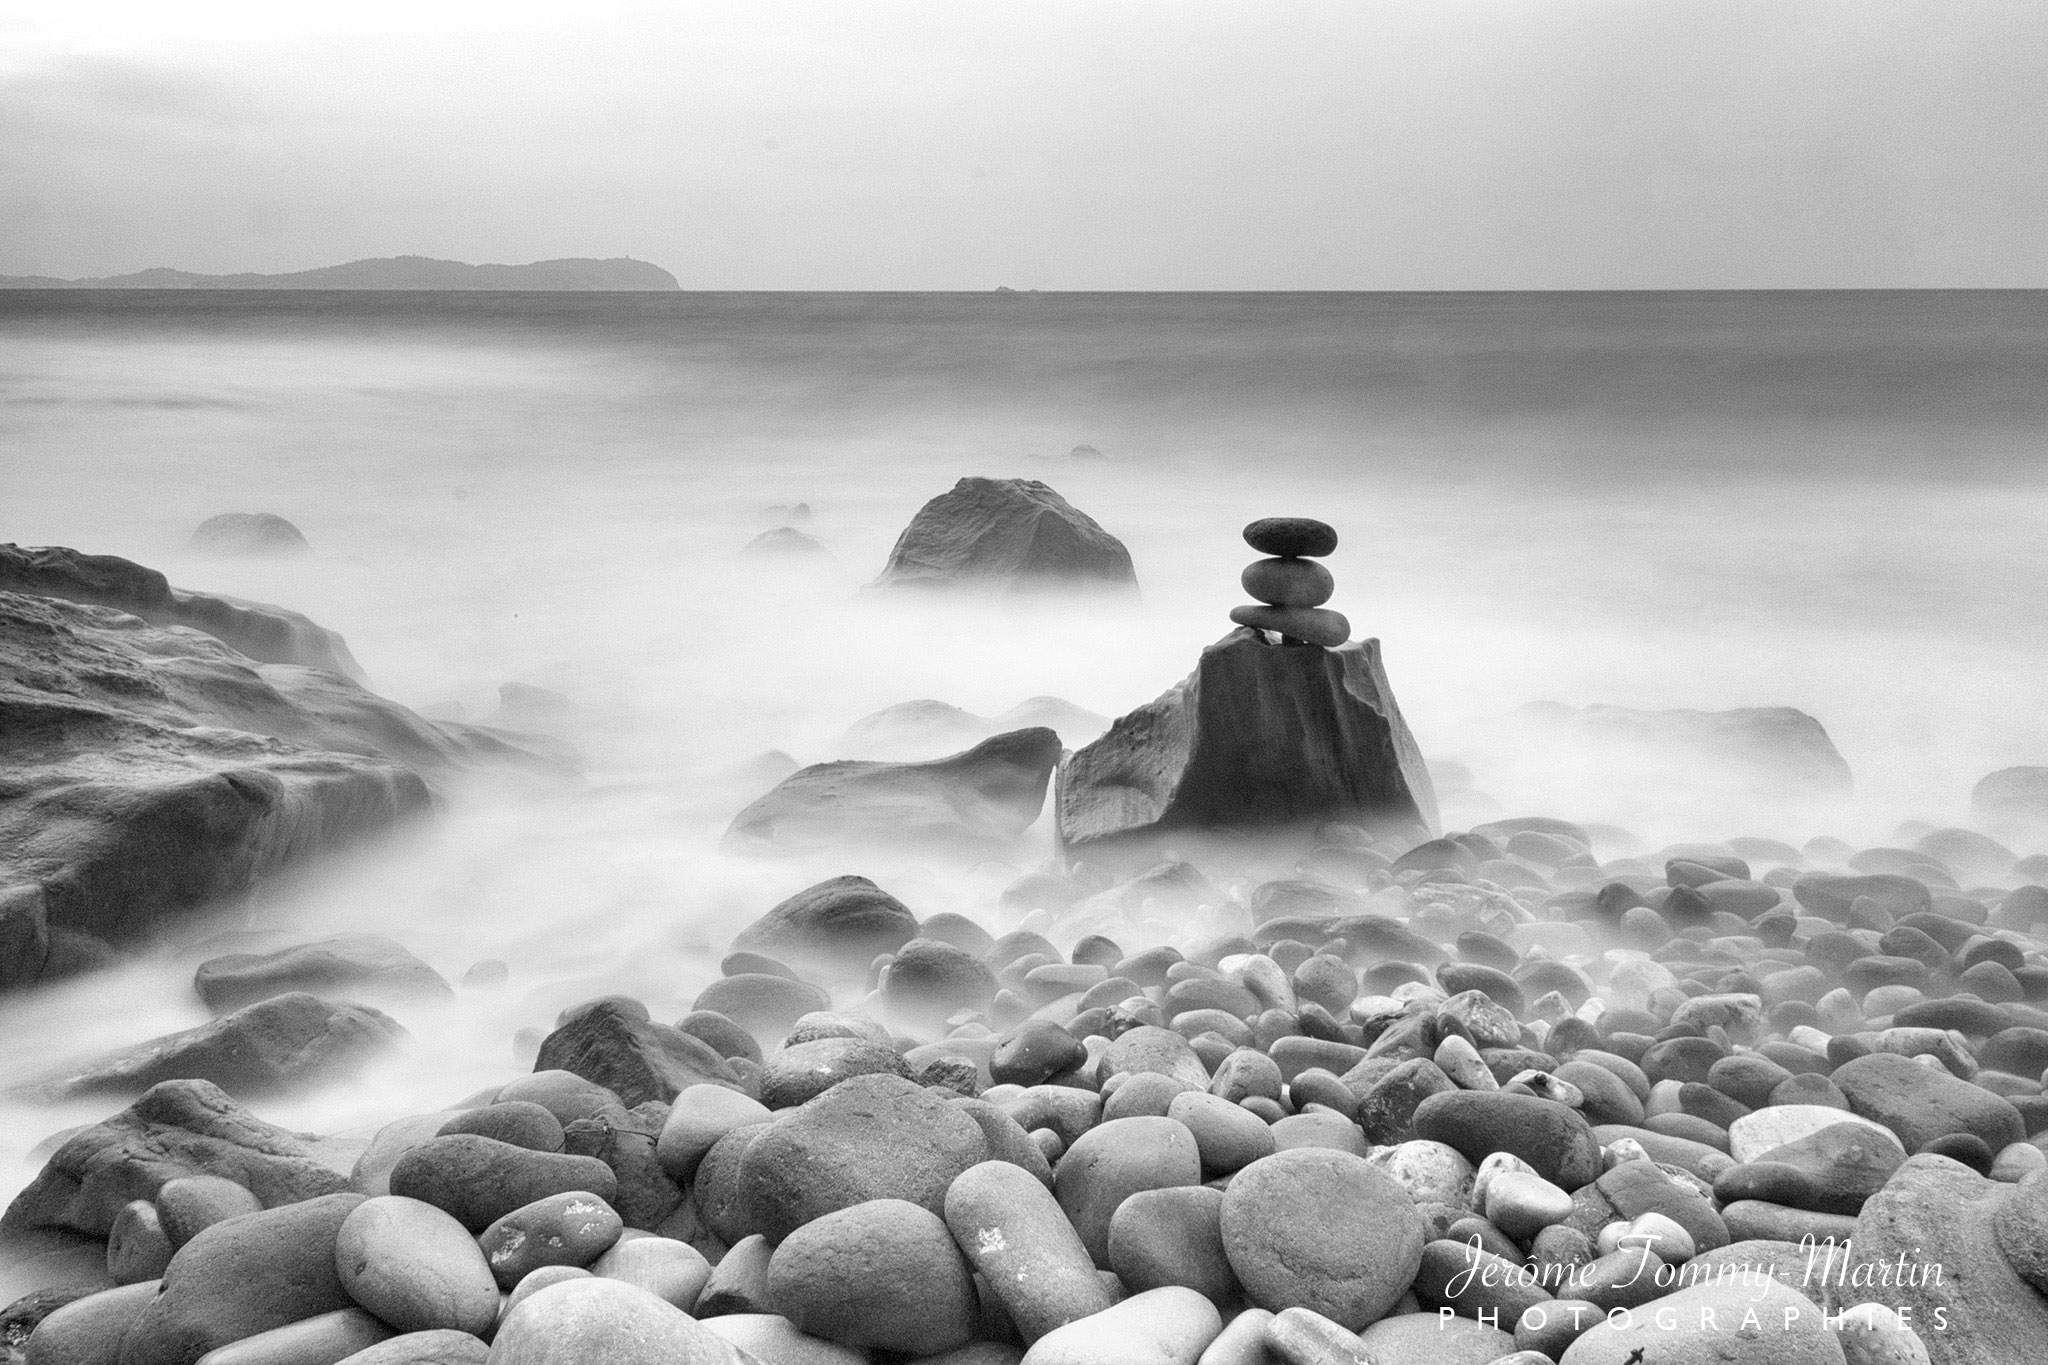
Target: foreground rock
[179, 1128]
[1927, 1245]
[1005, 535]
[1258, 737]
[978, 800]
[153, 772]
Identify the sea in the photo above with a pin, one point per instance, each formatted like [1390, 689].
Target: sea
[1831, 501]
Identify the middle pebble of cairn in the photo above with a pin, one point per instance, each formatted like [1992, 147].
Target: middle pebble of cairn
[1292, 585]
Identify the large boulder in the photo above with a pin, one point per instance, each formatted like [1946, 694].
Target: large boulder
[843, 923]
[1259, 736]
[287, 1042]
[151, 772]
[1007, 535]
[976, 801]
[267, 634]
[632, 1056]
[248, 533]
[176, 1129]
[1927, 1246]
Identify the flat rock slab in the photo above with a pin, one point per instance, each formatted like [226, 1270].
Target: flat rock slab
[359, 966]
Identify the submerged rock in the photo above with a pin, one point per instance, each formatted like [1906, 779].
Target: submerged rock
[248, 533]
[926, 728]
[1009, 535]
[361, 966]
[977, 800]
[285, 1043]
[1259, 736]
[786, 543]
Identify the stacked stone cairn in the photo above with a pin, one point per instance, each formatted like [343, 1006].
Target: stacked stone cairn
[1483, 1099]
[1291, 587]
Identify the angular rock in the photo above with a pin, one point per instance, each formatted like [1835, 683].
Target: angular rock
[266, 634]
[153, 773]
[980, 799]
[635, 1058]
[1259, 736]
[1005, 535]
[177, 1128]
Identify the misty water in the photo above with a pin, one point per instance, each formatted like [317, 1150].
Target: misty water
[1832, 502]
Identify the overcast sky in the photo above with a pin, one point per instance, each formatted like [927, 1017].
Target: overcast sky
[1112, 144]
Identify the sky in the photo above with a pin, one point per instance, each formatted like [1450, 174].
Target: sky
[1113, 144]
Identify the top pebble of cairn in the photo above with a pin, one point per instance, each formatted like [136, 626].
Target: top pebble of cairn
[1291, 586]
[1292, 537]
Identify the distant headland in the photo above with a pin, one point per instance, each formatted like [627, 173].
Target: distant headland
[392, 272]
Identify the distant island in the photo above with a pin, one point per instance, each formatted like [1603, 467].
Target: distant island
[391, 272]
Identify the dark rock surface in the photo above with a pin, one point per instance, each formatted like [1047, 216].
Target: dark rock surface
[178, 1128]
[287, 1042]
[267, 634]
[977, 800]
[1009, 535]
[1259, 736]
[152, 772]
[635, 1058]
